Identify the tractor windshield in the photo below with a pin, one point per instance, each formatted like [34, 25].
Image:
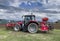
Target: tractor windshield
[29, 18]
[33, 18]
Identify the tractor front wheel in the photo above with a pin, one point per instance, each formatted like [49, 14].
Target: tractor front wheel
[32, 27]
[17, 27]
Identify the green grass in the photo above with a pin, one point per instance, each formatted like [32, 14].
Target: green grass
[8, 35]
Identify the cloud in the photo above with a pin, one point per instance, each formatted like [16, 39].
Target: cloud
[15, 3]
[4, 2]
[51, 5]
[39, 16]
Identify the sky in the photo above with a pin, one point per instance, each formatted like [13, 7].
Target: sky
[11, 9]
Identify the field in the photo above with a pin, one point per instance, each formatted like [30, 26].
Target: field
[9, 35]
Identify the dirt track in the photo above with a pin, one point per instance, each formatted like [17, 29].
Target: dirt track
[57, 25]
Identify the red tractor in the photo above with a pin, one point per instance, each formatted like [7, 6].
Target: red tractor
[29, 24]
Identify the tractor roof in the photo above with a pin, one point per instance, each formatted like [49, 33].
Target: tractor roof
[29, 15]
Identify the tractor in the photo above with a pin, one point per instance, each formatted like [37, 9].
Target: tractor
[29, 24]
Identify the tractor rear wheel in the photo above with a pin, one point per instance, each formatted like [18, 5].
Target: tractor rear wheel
[32, 27]
[17, 27]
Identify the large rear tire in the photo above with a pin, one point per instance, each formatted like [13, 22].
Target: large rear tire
[17, 28]
[32, 27]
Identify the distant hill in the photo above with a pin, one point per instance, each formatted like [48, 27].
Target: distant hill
[3, 21]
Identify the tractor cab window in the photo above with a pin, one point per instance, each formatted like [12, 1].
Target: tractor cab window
[33, 18]
[27, 18]
[30, 18]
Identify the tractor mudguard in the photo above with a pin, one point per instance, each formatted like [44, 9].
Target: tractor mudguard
[32, 22]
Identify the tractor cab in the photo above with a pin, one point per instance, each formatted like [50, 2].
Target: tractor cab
[28, 18]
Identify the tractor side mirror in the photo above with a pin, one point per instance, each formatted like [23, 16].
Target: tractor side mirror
[22, 16]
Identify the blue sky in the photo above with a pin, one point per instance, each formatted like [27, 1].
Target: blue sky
[37, 5]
